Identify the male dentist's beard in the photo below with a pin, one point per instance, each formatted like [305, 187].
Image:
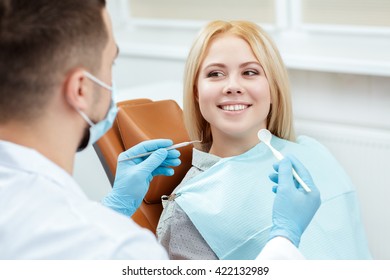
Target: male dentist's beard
[84, 141]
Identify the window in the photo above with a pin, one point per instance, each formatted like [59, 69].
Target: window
[346, 12]
[307, 32]
[262, 11]
[335, 15]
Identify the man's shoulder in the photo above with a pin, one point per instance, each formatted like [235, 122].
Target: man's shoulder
[61, 226]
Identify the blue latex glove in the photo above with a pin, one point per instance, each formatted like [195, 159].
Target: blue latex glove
[293, 207]
[133, 177]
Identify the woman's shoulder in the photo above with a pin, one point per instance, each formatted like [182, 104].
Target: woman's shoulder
[311, 151]
[303, 143]
[321, 162]
[311, 143]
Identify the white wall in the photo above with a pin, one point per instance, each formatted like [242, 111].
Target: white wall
[343, 111]
[350, 114]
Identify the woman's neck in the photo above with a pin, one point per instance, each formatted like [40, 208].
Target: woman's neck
[227, 147]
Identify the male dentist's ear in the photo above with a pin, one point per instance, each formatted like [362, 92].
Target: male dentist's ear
[74, 89]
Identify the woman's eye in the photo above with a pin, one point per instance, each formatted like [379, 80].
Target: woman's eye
[215, 74]
[251, 72]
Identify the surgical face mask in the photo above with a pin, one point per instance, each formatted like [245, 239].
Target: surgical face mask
[97, 130]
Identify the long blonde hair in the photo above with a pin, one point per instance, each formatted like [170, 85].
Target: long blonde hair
[279, 120]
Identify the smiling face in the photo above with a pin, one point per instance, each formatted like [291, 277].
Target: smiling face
[233, 93]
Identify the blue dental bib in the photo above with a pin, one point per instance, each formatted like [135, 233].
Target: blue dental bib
[231, 204]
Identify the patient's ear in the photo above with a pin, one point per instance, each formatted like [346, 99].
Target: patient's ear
[196, 94]
[75, 89]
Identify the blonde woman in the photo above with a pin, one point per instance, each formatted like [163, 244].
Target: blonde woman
[236, 84]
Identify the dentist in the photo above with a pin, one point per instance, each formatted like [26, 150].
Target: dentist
[56, 98]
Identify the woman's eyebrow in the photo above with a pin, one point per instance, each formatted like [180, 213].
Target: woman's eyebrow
[222, 65]
[245, 64]
[215, 64]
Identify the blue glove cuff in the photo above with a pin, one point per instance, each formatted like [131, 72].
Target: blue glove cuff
[293, 235]
[116, 205]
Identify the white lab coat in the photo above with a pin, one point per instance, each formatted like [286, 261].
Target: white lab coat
[45, 215]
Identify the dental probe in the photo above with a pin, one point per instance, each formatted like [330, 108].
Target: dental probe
[265, 136]
[175, 146]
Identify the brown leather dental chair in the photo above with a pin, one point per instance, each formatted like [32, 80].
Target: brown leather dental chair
[139, 120]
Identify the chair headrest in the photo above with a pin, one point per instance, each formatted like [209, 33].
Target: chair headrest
[153, 120]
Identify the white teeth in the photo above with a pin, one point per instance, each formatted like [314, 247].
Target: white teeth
[237, 107]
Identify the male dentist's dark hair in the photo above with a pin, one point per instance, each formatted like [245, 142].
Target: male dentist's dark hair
[40, 42]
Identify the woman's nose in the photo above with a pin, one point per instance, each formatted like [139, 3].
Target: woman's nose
[233, 86]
